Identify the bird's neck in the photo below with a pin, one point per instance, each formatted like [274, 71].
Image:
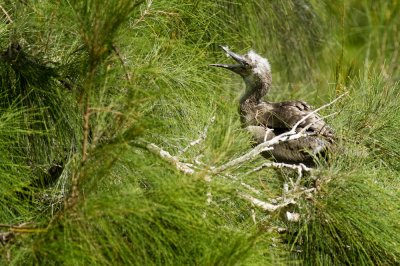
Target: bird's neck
[256, 89]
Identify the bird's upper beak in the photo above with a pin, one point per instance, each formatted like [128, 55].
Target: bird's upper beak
[233, 67]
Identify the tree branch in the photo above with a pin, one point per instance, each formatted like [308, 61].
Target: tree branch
[298, 167]
[166, 156]
[264, 205]
[201, 138]
[118, 53]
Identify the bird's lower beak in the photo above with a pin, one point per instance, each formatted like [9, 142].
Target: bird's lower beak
[230, 67]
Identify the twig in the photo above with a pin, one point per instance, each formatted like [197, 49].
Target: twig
[243, 184]
[246, 157]
[7, 15]
[86, 110]
[86, 118]
[264, 205]
[254, 190]
[6, 237]
[316, 121]
[293, 130]
[288, 197]
[6, 225]
[201, 138]
[298, 167]
[118, 53]
[166, 156]
[253, 215]
[143, 14]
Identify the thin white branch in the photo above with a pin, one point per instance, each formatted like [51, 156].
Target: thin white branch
[285, 189]
[264, 205]
[246, 157]
[316, 121]
[143, 14]
[253, 215]
[197, 160]
[265, 146]
[7, 15]
[209, 197]
[298, 167]
[201, 138]
[166, 156]
[254, 190]
[293, 130]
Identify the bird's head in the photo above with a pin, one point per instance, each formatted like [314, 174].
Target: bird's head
[252, 67]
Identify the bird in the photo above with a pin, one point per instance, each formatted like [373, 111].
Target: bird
[265, 119]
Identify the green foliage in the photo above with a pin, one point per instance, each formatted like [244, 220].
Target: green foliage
[354, 221]
[138, 72]
[99, 22]
[14, 172]
[144, 218]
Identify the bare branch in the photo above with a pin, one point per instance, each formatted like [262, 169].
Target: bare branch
[298, 167]
[201, 138]
[316, 121]
[254, 190]
[7, 15]
[143, 14]
[86, 118]
[166, 156]
[293, 130]
[14, 229]
[264, 205]
[265, 146]
[118, 53]
[246, 157]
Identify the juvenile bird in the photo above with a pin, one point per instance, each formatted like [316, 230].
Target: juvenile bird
[265, 119]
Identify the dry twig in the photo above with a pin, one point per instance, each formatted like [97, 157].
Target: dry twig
[298, 167]
[264, 205]
[6, 237]
[7, 15]
[118, 53]
[143, 14]
[201, 138]
[166, 156]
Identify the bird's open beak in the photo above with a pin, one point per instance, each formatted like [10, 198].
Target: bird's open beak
[234, 56]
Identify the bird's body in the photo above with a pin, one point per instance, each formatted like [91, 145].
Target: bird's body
[266, 120]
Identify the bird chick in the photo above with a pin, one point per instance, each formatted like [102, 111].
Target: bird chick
[265, 119]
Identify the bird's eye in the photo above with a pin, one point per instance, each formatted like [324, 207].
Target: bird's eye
[245, 64]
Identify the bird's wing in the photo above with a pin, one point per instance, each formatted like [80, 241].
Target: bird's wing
[285, 115]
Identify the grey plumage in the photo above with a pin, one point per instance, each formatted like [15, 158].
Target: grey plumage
[266, 119]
